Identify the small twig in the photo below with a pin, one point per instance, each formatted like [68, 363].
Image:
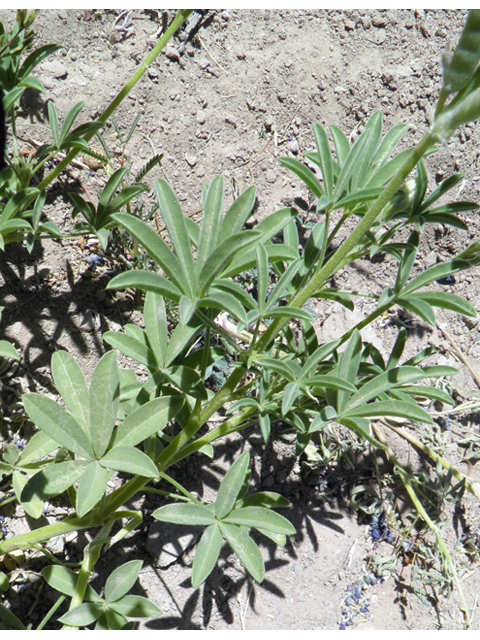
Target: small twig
[211, 57]
[460, 354]
[243, 613]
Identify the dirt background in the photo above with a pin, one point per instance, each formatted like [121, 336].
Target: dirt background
[242, 91]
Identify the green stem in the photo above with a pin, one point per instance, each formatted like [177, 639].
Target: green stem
[182, 15]
[90, 557]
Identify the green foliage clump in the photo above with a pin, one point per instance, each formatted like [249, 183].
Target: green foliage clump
[258, 343]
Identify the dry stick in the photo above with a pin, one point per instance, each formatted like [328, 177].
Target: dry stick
[460, 354]
[444, 550]
[472, 485]
[211, 57]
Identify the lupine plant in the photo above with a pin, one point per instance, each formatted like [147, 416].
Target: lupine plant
[197, 313]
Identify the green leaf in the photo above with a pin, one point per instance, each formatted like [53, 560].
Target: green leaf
[155, 319]
[146, 420]
[446, 300]
[328, 382]
[16, 204]
[135, 607]
[224, 301]
[7, 350]
[290, 394]
[210, 225]
[388, 145]
[351, 162]
[385, 381]
[3, 582]
[341, 144]
[348, 368]
[130, 460]
[83, 615]
[268, 499]
[419, 307]
[428, 392]
[156, 248]
[131, 347]
[53, 480]
[122, 580]
[206, 554]
[104, 399]
[71, 384]
[65, 581]
[185, 513]
[325, 156]
[245, 548]
[261, 517]
[175, 222]
[390, 408]
[187, 380]
[186, 309]
[34, 508]
[58, 424]
[11, 620]
[146, 281]
[438, 271]
[70, 119]
[304, 173]
[238, 213]
[53, 122]
[91, 488]
[231, 485]
[38, 446]
[358, 197]
[222, 256]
